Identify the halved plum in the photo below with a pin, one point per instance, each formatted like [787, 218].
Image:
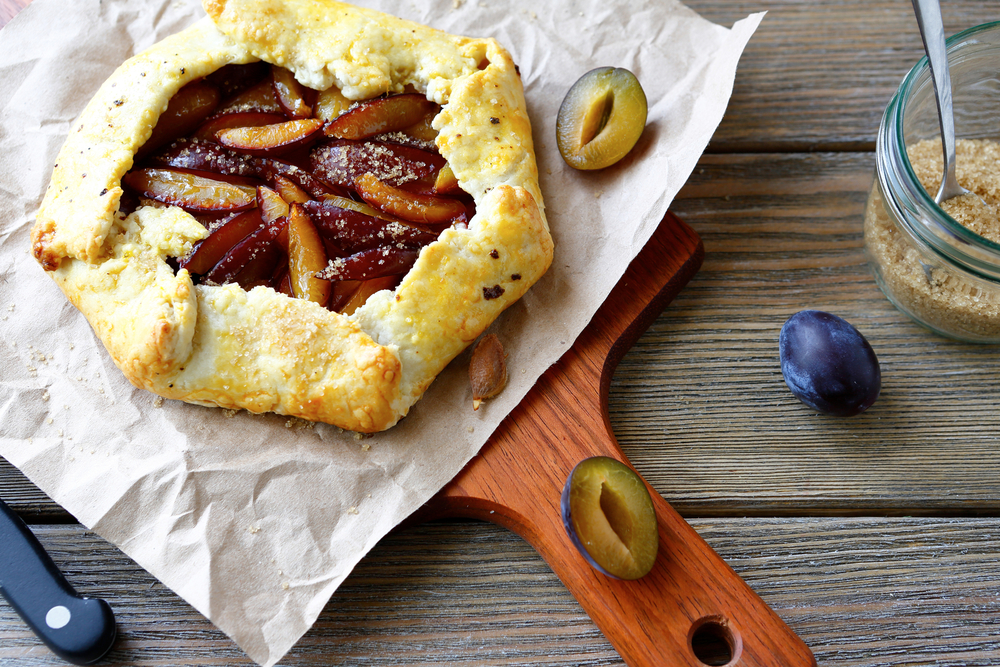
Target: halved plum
[601, 118]
[609, 516]
[383, 114]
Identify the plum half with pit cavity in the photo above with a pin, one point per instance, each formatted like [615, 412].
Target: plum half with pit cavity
[601, 118]
[609, 516]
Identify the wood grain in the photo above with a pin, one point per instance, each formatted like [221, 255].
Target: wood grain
[817, 75]
[862, 592]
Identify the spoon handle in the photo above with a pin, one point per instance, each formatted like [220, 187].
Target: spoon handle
[931, 26]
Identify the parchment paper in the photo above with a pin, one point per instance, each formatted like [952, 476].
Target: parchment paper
[256, 519]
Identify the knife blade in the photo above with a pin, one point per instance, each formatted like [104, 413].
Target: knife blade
[78, 629]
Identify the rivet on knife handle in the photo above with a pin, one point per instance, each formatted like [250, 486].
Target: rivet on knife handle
[79, 630]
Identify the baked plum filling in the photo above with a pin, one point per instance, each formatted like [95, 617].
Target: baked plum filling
[305, 192]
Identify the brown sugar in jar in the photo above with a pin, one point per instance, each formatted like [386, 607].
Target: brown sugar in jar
[944, 297]
[941, 264]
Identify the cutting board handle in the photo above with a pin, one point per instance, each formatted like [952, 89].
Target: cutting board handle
[692, 609]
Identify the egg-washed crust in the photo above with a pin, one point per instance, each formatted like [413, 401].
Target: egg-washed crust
[260, 350]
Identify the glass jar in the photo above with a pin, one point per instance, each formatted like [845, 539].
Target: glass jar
[937, 271]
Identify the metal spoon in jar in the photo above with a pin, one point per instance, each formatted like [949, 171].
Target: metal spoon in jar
[932, 33]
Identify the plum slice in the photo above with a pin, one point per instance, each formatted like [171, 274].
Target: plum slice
[290, 93]
[342, 162]
[381, 115]
[271, 204]
[289, 191]
[210, 250]
[252, 260]
[260, 98]
[213, 157]
[368, 264]
[354, 293]
[274, 139]
[410, 206]
[330, 104]
[211, 127]
[306, 257]
[190, 191]
[186, 111]
[609, 516]
[601, 118]
[354, 231]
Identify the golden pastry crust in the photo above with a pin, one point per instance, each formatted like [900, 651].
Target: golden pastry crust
[260, 350]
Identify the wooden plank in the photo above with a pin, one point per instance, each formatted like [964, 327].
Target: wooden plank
[860, 592]
[699, 404]
[817, 75]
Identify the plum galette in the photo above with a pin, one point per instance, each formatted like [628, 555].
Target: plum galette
[298, 206]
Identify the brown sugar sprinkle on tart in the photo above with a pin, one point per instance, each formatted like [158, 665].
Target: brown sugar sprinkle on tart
[366, 197]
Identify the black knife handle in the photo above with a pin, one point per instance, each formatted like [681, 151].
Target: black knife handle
[79, 630]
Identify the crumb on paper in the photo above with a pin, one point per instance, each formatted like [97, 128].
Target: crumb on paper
[158, 402]
[45, 395]
[471, 429]
[285, 585]
[253, 530]
[49, 420]
[352, 510]
[297, 424]
[366, 446]
[230, 412]
[455, 4]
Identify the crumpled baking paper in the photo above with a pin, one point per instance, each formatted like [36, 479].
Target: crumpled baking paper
[256, 519]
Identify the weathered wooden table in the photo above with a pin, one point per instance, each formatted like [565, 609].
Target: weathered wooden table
[875, 538]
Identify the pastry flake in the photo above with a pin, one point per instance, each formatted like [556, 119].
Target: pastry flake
[182, 337]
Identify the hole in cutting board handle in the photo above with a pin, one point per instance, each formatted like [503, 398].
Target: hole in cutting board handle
[715, 642]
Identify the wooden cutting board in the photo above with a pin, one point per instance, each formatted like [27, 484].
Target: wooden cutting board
[692, 609]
